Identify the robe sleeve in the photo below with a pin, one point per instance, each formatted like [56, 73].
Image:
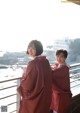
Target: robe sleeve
[60, 78]
[28, 83]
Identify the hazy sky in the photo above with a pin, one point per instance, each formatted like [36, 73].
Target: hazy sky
[45, 20]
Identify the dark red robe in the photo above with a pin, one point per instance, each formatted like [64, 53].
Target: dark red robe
[36, 87]
[61, 97]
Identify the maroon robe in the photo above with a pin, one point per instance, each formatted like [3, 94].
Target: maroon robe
[36, 87]
[61, 97]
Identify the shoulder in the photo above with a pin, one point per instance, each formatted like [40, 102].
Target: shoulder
[64, 68]
[31, 64]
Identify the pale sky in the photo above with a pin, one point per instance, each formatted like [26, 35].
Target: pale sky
[44, 20]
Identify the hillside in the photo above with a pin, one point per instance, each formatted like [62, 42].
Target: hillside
[20, 58]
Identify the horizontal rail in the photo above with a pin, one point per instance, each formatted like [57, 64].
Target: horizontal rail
[10, 80]
[8, 87]
[74, 65]
[75, 85]
[74, 80]
[8, 96]
[74, 69]
[12, 103]
[13, 111]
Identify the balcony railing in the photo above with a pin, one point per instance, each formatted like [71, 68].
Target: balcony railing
[75, 78]
[9, 99]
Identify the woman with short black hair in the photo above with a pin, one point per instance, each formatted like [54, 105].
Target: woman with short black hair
[36, 83]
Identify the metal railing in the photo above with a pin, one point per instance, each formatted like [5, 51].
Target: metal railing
[8, 95]
[9, 99]
[75, 78]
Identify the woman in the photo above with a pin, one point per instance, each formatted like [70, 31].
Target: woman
[61, 97]
[36, 83]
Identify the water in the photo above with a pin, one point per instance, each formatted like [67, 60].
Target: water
[10, 73]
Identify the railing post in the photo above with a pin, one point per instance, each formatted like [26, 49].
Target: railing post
[18, 96]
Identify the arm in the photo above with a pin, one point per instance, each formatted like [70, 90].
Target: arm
[28, 81]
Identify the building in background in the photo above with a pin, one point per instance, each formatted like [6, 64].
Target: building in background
[62, 43]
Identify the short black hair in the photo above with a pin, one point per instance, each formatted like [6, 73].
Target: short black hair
[65, 53]
[38, 46]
